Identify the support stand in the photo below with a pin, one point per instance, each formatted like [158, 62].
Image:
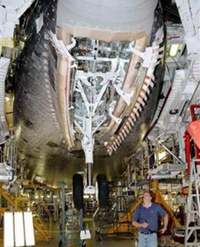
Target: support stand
[70, 236]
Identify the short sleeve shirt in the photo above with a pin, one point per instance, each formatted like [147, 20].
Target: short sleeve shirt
[149, 215]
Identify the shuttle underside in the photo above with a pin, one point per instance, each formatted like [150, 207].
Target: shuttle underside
[86, 92]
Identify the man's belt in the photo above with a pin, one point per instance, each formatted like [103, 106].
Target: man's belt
[148, 233]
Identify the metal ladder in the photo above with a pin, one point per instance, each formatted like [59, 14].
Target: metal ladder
[40, 225]
[37, 220]
[193, 209]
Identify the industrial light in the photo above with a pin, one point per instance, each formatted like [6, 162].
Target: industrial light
[8, 230]
[7, 98]
[19, 229]
[69, 193]
[173, 50]
[29, 230]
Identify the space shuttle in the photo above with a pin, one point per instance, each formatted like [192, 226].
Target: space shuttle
[89, 82]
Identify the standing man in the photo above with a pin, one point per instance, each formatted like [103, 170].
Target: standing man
[146, 219]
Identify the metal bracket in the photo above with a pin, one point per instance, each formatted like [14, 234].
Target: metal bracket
[60, 46]
[166, 171]
[147, 56]
[72, 45]
[89, 190]
[91, 107]
[110, 111]
[125, 96]
[87, 140]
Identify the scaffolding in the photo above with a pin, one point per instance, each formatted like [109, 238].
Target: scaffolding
[70, 226]
[39, 224]
[192, 228]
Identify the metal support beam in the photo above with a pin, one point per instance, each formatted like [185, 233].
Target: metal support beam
[176, 158]
[125, 96]
[62, 241]
[89, 174]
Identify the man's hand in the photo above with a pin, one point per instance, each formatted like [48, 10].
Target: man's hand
[137, 224]
[163, 230]
[144, 225]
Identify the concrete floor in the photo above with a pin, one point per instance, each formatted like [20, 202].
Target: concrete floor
[107, 241]
[93, 243]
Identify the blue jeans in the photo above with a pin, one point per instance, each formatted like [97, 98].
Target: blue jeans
[147, 240]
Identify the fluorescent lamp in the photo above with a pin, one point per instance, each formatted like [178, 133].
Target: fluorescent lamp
[173, 50]
[15, 229]
[29, 230]
[19, 229]
[8, 230]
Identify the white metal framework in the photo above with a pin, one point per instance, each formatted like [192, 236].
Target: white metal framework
[193, 209]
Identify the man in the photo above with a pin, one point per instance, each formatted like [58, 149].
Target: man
[146, 219]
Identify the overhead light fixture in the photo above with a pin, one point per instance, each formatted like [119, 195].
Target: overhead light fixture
[173, 50]
[86, 196]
